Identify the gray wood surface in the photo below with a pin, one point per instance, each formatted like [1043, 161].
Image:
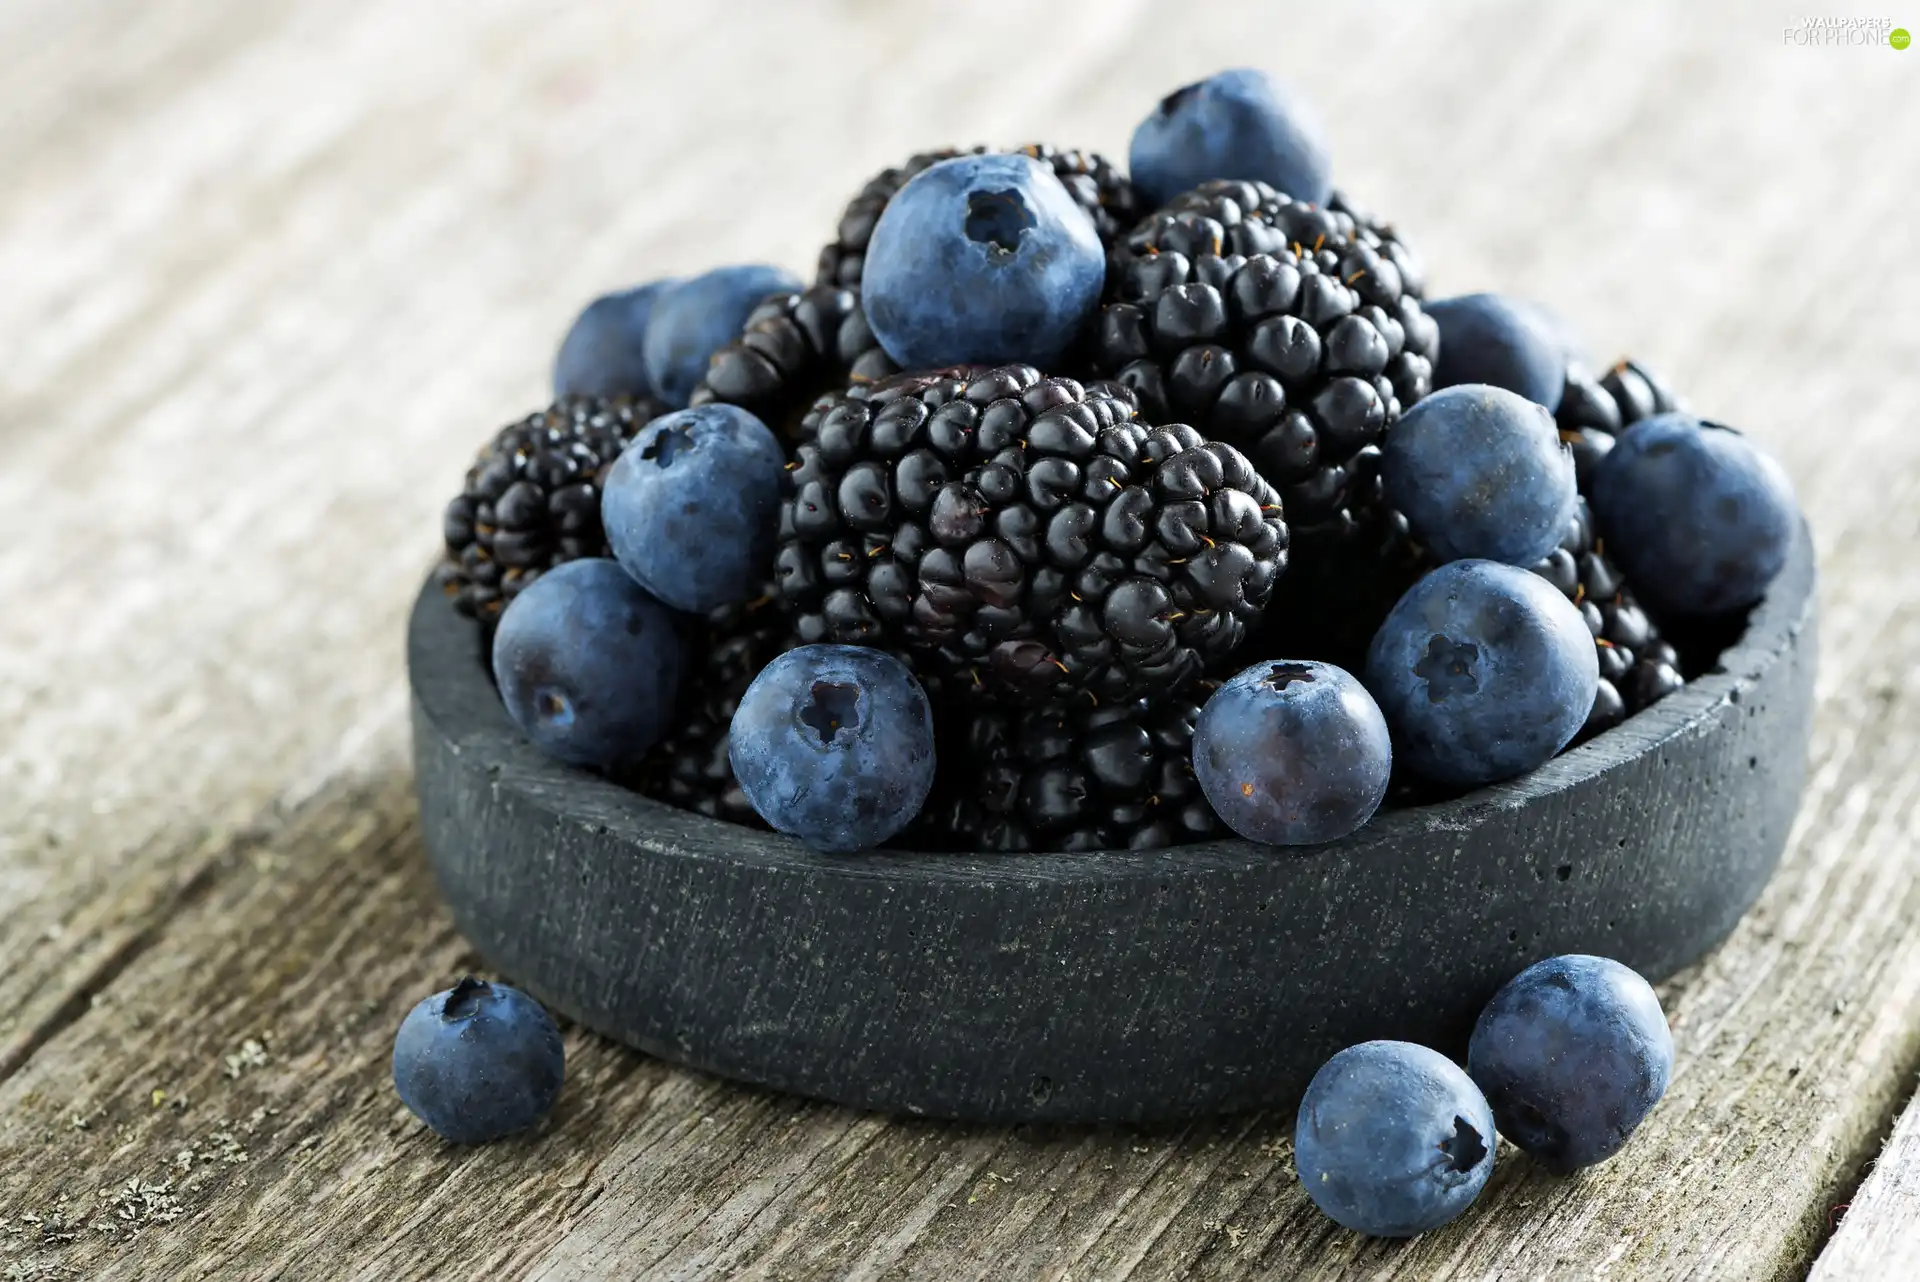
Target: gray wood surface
[272, 271]
[1880, 1236]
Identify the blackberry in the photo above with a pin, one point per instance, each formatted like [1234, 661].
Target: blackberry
[1295, 333]
[532, 500]
[1594, 410]
[1079, 776]
[1095, 184]
[1638, 667]
[688, 768]
[795, 347]
[1024, 533]
[1289, 331]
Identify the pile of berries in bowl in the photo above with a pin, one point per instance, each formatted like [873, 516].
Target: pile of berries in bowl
[1075, 511]
[1069, 510]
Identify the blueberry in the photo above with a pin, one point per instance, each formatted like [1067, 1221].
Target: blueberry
[1480, 472]
[1238, 124]
[1485, 338]
[1573, 1053]
[834, 745]
[588, 664]
[478, 1062]
[981, 259]
[604, 353]
[1698, 518]
[1484, 671]
[1393, 1139]
[692, 506]
[1559, 331]
[1292, 753]
[698, 316]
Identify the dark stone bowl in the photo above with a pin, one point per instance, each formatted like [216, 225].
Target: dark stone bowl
[1114, 986]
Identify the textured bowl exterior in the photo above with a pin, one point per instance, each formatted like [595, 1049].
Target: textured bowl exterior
[1115, 986]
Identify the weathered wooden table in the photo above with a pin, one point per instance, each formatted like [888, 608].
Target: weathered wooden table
[268, 274]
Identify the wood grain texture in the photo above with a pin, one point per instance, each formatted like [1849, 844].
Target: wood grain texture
[273, 271]
[1880, 1234]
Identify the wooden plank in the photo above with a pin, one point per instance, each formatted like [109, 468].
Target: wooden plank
[1879, 1235]
[273, 271]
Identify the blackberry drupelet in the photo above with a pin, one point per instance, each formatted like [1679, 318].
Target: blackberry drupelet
[1074, 776]
[532, 500]
[688, 768]
[1595, 410]
[1025, 534]
[795, 347]
[1095, 184]
[1638, 667]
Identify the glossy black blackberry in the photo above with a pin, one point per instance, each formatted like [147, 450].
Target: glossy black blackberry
[795, 347]
[1638, 667]
[1095, 184]
[1289, 331]
[1079, 776]
[532, 500]
[1594, 410]
[1024, 534]
[689, 767]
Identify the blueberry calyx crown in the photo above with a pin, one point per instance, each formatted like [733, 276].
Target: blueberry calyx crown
[463, 1000]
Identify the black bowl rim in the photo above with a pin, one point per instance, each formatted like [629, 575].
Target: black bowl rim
[459, 699]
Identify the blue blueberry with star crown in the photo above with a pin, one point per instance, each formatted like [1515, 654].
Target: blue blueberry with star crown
[692, 505]
[1480, 473]
[1392, 1139]
[1239, 124]
[982, 260]
[604, 352]
[1572, 1053]
[1292, 753]
[1504, 342]
[588, 664]
[478, 1062]
[1483, 672]
[833, 744]
[698, 316]
[1698, 517]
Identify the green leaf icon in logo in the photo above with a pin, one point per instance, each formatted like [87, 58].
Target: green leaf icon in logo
[1899, 38]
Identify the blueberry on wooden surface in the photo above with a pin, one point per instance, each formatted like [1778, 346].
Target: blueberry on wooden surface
[478, 1062]
[1392, 1139]
[1573, 1053]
